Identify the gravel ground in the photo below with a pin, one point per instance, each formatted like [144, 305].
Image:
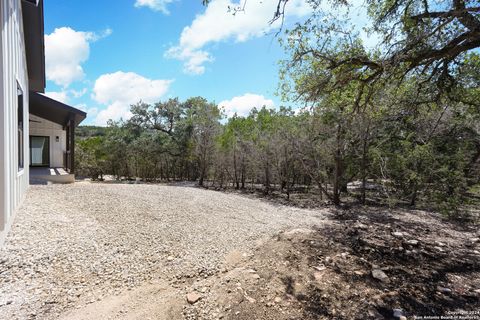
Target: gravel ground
[72, 245]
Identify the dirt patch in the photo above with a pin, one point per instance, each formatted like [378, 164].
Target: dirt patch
[359, 265]
[156, 300]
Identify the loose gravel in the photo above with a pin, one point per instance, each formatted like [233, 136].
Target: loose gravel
[75, 244]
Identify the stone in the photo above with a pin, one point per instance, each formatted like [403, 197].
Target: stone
[170, 258]
[320, 268]
[256, 276]
[474, 240]
[193, 297]
[412, 242]
[361, 226]
[372, 312]
[380, 275]
[397, 313]
[277, 300]
[397, 234]
[444, 290]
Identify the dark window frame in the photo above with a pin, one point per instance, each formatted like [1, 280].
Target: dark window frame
[47, 163]
[20, 128]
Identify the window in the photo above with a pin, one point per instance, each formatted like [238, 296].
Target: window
[20, 126]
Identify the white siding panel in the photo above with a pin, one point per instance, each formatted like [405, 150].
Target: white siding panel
[46, 128]
[14, 183]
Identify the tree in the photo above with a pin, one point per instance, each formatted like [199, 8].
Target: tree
[204, 118]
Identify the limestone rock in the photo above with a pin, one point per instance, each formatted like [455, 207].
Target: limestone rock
[193, 297]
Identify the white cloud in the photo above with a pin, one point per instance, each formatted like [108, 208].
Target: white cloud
[91, 112]
[216, 25]
[119, 90]
[241, 105]
[82, 106]
[156, 5]
[65, 51]
[61, 96]
[193, 59]
[78, 93]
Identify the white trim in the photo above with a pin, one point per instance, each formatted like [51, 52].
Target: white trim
[21, 172]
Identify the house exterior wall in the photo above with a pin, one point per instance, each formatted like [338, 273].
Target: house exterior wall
[46, 128]
[13, 66]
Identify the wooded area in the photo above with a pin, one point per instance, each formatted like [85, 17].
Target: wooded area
[401, 119]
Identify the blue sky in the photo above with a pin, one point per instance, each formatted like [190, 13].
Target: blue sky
[102, 56]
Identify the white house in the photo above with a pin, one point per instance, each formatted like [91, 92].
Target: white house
[35, 131]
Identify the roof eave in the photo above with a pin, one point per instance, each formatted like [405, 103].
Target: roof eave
[33, 29]
[55, 111]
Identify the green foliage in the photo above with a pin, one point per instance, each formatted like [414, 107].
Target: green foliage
[91, 157]
[402, 118]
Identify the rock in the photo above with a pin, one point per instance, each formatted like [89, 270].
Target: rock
[444, 290]
[380, 275]
[412, 242]
[277, 300]
[440, 244]
[398, 314]
[170, 258]
[361, 226]
[474, 240]
[438, 249]
[320, 267]
[372, 312]
[397, 234]
[256, 276]
[193, 297]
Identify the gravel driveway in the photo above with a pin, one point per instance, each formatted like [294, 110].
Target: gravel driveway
[75, 244]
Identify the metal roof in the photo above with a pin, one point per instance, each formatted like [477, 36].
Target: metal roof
[55, 111]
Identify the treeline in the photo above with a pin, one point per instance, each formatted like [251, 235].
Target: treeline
[408, 153]
[399, 120]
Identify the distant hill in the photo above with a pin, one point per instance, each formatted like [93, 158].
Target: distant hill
[84, 132]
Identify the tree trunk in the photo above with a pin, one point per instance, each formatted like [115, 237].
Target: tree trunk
[338, 169]
[267, 178]
[364, 164]
[243, 173]
[364, 172]
[413, 199]
[235, 174]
